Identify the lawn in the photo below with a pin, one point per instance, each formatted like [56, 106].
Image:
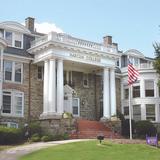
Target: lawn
[91, 150]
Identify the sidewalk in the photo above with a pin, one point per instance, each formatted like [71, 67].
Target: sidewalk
[16, 152]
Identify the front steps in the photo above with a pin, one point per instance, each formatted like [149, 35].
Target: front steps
[90, 129]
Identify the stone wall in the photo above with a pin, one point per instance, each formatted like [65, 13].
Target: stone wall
[86, 95]
[24, 87]
[36, 94]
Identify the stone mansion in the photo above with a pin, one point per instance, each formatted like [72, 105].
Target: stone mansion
[44, 75]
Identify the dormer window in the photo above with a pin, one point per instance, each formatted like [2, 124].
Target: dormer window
[13, 39]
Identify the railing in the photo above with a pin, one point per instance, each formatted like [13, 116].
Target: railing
[146, 66]
[67, 39]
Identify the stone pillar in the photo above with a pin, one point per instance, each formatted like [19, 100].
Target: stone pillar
[112, 92]
[52, 86]
[106, 106]
[45, 87]
[60, 92]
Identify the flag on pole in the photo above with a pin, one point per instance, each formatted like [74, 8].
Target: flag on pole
[132, 73]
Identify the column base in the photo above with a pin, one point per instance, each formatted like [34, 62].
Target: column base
[51, 115]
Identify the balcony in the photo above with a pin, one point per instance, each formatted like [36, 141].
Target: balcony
[72, 41]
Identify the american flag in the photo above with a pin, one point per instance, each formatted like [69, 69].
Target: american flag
[132, 73]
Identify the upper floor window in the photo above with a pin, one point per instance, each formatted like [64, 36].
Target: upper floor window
[85, 80]
[40, 72]
[8, 37]
[136, 91]
[126, 93]
[13, 103]
[149, 88]
[13, 71]
[14, 39]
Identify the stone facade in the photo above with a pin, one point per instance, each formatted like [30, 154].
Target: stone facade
[36, 91]
[24, 87]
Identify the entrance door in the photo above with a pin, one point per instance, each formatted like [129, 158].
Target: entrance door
[75, 106]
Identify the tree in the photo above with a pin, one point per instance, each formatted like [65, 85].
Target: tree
[156, 63]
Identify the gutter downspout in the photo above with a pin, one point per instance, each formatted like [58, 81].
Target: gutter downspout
[29, 94]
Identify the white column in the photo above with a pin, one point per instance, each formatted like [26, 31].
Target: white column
[112, 92]
[52, 86]
[45, 87]
[60, 92]
[106, 107]
[142, 88]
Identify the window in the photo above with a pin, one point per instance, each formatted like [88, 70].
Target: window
[136, 91]
[8, 70]
[149, 88]
[126, 93]
[137, 112]
[9, 124]
[150, 112]
[13, 103]
[17, 40]
[14, 39]
[13, 71]
[8, 37]
[1, 33]
[40, 72]
[85, 80]
[75, 106]
[18, 72]
[6, 102]
[126, 110]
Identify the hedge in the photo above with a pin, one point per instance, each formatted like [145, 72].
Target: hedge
[10, 135]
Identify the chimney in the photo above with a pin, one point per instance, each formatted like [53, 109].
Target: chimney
[107, 40]
[115, 45]
[29, 23]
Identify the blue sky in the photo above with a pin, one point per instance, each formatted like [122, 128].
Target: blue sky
[132, 23]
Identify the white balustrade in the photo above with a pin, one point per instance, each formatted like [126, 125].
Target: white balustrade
[67, 39]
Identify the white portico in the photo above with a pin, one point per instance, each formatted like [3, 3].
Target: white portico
[59, 51]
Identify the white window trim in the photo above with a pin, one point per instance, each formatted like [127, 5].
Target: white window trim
[76, 115]
[13, 39]
[9, 124]
[13, 114]
[154, 88]
[154, 109]
[13, 72]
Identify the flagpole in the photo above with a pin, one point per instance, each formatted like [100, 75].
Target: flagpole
[130, 112]
[1, 79]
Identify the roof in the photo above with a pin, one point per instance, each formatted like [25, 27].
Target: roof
[18, 52]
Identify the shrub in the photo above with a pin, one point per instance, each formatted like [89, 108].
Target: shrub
[35, 138]
[145, 127]
[47, 138]
[10, 135]
[125, 127]
[34, 127]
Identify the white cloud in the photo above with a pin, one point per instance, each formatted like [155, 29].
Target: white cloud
[46, 27]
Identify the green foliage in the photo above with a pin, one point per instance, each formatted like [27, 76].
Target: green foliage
[157, 49]
[34, 127]
[10, 135]
[145, 127]
[35, 138]
[46, 138]
[125, 127]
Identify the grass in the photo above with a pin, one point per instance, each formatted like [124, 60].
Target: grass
[92, 150]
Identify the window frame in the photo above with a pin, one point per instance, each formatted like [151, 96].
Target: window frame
[139, 112]
[13, 72]
[13, 108]
[151, 115]
[14, 39]
[135, 91]
[42, 73]
[148, 89]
